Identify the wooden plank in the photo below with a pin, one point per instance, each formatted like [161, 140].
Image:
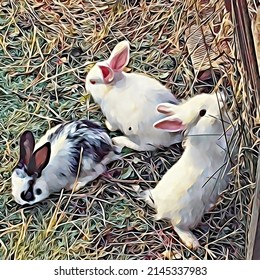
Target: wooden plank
[254, 231]
[256, 253]
[245, 44]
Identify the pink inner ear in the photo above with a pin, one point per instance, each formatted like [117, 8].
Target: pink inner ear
[170, 125]
[28, 152]
[164, 109]
[26, 146]
[107, 73]
[120, 60]
[41, 157]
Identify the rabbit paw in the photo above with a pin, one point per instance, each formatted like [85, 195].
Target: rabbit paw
[109, 126]
[188, 238]
[85, 180]
[123, 141]
[147, 197]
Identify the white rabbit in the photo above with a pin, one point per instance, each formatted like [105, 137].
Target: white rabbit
[73, 150]
[129, 101]
[192, 185]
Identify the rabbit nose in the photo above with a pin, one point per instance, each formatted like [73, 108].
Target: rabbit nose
[26, 196]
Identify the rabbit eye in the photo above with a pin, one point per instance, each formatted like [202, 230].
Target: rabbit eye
[92, 82]
[203, 112]
[38, 191]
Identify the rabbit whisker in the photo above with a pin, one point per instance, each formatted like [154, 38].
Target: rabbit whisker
[219, 119]
[212, 176]
[204, 134]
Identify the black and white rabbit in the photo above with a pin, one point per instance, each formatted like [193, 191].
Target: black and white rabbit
[72, 153]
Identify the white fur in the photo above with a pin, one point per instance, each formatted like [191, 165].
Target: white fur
[130, 100]
[187, 190]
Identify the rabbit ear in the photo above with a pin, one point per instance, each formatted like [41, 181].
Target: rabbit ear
[107, 73]
[171, 124]
[27, 144]
[119, 57]
[165, 108]
[39, 159]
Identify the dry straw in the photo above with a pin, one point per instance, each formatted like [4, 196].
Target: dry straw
[46, 49]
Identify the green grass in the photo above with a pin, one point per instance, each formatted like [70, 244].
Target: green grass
[45, 53]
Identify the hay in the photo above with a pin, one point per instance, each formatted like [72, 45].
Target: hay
[46, 51]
